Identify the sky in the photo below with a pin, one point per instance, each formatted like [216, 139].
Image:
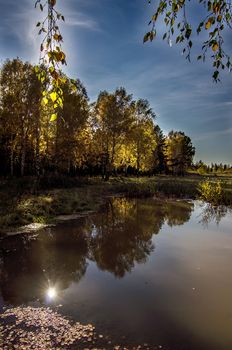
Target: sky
[103, 41]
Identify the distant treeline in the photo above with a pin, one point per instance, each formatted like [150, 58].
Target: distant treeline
[213, 168]
[114, 135]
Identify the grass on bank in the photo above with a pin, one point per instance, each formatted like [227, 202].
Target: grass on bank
[65, 196]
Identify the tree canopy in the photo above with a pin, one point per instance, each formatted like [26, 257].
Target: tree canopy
[179, 152]
[116, 134]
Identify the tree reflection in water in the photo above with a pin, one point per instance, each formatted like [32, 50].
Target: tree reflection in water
[211, 213]
[116, 238]
[124, 229]
[53, 259]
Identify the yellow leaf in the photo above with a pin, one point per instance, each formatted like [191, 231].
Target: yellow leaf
[45, 101]
[53, 96]
[74, 88]
[60, 102]
[56, 37]
[215, 46]
[208, 25]
[53, 117]
[60, 56]
[58, 82]
[216, 8]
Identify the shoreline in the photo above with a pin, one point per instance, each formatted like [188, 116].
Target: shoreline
[27, 213]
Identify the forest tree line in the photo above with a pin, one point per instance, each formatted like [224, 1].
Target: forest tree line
[114, 135]
[214, 168]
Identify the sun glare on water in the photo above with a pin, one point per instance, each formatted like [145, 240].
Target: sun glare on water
[51, 293]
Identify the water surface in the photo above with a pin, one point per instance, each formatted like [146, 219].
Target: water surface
[141, 270]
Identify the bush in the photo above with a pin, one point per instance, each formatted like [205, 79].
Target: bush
[212, 192]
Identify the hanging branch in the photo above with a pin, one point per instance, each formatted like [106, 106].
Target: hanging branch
[218, 18]
[51, 57]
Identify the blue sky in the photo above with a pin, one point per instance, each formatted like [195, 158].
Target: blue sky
[103, 42]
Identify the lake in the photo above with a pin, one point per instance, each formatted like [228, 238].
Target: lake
[140, 270]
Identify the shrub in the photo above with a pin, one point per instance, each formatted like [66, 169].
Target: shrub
[211, 191]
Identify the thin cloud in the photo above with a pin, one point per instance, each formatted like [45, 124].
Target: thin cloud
[20, 25]
[77, 20]
[213, 134]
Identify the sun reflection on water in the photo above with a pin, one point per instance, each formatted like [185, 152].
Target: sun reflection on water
[51, 293]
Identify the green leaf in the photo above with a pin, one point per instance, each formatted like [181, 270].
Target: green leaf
[215, 75]
[188, 33]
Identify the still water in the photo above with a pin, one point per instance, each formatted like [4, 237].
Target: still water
[140, 270]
